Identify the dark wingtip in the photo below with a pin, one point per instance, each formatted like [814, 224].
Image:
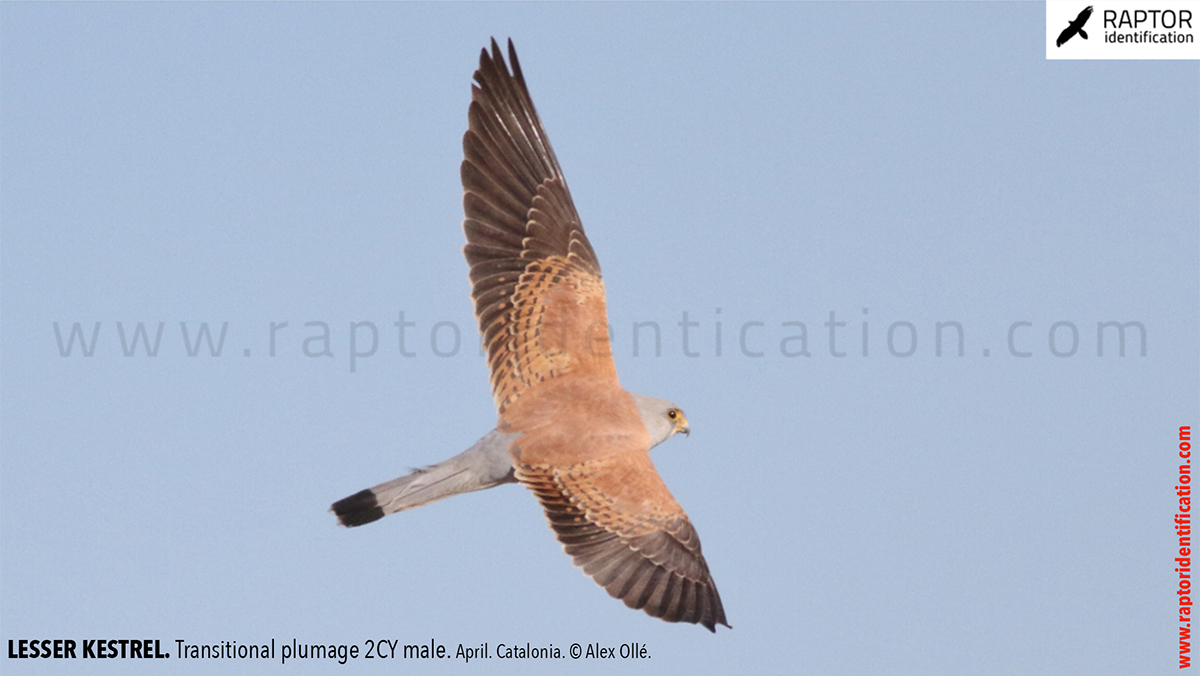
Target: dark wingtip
[358, 509]
[497, 57]
[711, 624]
[718, 617]
[516, 65]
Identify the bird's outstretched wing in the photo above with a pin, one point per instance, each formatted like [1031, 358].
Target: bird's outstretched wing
[539, 297]
[619, 523]
[1081, 21]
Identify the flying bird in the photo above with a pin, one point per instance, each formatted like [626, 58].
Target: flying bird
[1075, 26]
[566, 428]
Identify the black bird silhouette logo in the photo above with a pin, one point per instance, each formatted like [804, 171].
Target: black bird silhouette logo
[1075, 26]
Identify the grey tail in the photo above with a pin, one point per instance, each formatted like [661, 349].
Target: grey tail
[483, 465]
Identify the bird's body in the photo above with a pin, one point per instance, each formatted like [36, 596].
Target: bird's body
[566, 429]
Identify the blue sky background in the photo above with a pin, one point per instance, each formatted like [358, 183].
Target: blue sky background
[866, 514]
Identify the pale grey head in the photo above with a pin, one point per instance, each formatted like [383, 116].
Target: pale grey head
[661, 418]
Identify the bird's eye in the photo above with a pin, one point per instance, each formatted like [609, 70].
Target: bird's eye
[672, 414]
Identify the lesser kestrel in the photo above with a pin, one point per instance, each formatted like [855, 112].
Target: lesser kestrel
[566, 429]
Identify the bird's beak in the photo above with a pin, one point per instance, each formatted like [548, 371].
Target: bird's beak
[685, 429]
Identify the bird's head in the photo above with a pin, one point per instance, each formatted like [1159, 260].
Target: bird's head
[661, 418]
